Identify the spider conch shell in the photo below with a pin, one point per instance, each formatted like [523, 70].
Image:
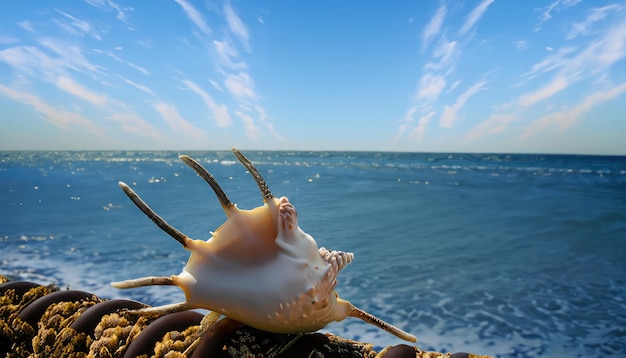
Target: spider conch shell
[258, 268]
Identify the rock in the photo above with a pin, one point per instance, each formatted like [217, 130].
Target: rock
[42, 321]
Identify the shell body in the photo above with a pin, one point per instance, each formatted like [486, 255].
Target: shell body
[258, 268]
[273, 279]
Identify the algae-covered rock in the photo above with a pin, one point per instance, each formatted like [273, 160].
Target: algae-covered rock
[41, 321]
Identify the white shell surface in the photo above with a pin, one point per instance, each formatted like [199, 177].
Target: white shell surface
[262, 269]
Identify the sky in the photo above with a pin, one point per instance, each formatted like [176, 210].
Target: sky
[544, 76]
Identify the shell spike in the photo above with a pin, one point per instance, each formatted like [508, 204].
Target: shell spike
[265, 190]
[169, 229]
[159, 311]
[145, 281]
[202, 172]
[371, 319]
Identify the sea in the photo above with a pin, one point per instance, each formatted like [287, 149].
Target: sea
[509, 255]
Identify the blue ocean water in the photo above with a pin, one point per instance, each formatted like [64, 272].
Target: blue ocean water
[507, 255]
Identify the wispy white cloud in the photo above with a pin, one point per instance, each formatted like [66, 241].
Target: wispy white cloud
[76, 26]
[78, 72]
[433, 27]
[474, 16]
[554, 61]
[559, 83]
[454, 85]
[266, 121]
[237, 80]
[227, 56]
[195, 16]
[248, 124]
[422, 123]
[26, 25]
[405, 123]
[142, 88]
[40, 66]
[449, 115]
[70, 86]
[263, 117]
[571, 64]
[565, 118]
[604, 52]
[33, 62]
[430, 86]
[577, 63]
[58, 117]
[220, 112]
[438, 72]
[121, 60]
[596, 15]
[252, 126]
[146, 43]
[7, 40]
[240, 85]
[170, 114]
[556, 6]
[71, 55]
[108, 5]
[27, 59]
[589, 62]
[109, 53]
[132, 123]
[446, 54]
[216, 85]
[138, 68]
[237, 27]
[495, 123]
[564, 66]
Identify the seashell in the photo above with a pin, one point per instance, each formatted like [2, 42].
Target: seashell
[258, 268]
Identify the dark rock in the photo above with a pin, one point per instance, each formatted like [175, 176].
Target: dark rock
[400, 351]
[89, 319]
[33, 312]
[147, 339]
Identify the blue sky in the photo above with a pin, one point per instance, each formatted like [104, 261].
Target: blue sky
[446, 76]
